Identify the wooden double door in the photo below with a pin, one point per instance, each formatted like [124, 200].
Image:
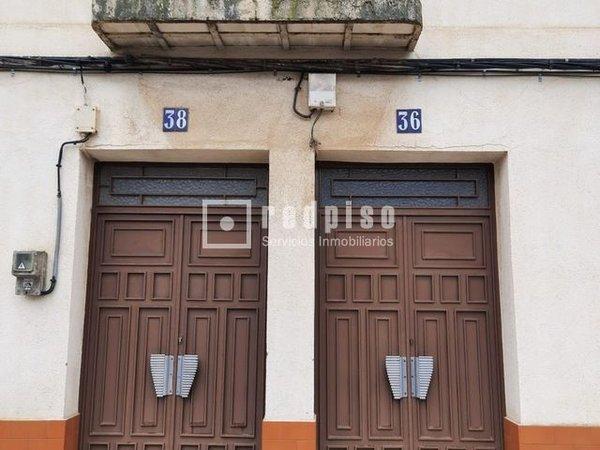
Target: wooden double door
[155, 288]
[428, 290]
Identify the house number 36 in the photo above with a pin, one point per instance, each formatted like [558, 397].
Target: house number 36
[409, 121]
[175, 119]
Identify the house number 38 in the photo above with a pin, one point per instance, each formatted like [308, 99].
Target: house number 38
[175, 119]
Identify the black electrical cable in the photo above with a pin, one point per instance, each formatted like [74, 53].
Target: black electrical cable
[295, 105]
[313, 142]
[59, 214]
[565, 67]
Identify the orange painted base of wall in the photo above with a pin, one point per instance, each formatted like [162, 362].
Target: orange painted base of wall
[518, 437]
[63, 435]
[39, 434]
[289, 436]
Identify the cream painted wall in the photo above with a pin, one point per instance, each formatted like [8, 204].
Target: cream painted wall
[290, 294]
[41, 338]
[548, 172]
[543, 137]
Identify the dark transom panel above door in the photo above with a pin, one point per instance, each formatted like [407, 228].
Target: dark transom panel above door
[431, 292]
[405, 186]
[179, 184]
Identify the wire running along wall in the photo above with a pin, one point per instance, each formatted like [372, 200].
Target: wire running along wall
[424, 67]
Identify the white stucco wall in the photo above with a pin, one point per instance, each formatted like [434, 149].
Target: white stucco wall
[41, 337]
[290, 301]
[542, 136]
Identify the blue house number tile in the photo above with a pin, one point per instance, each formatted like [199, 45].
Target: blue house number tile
[175, 120]
[409, 121]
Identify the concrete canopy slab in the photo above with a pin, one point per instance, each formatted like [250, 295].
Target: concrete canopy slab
[130, 26]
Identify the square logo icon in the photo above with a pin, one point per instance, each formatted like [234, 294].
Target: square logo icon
[226, 223]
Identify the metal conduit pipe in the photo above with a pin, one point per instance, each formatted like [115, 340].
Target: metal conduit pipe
[58, 231]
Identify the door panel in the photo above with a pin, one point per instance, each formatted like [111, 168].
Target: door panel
[438, 244]
[138, 242]
[476, 417]
[430, 294]
[153, 336]
[362, 320]
[383, 331]
[109, 379]
[133, 314]
[453, 321]
[239, 410]
[201, 339]
[434, 415]
[343, 377]
[156, 290]
[223, 322]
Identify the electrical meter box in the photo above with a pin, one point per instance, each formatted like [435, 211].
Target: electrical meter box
[30, 269]
[322, 91]
[85, 119]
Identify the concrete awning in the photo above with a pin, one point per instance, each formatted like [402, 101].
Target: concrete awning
[182, 27]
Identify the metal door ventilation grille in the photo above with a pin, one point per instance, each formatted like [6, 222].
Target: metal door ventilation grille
[161, 368]
[179, 185]
[395, 367]
[187, 366]
[406, 187]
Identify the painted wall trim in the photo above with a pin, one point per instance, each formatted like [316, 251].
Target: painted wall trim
[39, 434]
[532, 437]
[289, 436]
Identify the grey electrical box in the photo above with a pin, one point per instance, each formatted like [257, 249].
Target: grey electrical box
[85, 119]
[322, 91]
[30, 270]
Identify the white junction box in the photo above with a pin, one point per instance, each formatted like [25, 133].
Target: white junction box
[85, 119]
[322, 91]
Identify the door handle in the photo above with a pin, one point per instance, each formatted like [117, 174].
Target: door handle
[421, 369]
[395, 367]
[187, 366]
[161, 369]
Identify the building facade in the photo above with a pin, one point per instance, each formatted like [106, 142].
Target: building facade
[485, 219]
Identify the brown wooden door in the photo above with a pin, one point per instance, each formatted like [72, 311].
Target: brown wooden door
[134, 313]
[362, 320]
[429, 294]
[156, 289]
[429, 291]
[222, 321]
[453, 318]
